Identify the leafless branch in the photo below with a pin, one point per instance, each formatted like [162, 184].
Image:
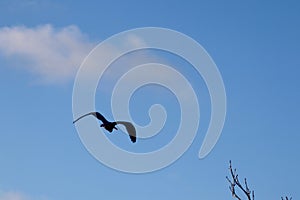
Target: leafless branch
[245, 189]
[286, 198]
[235, 182]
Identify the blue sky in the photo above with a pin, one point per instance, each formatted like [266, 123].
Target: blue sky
[255, 46]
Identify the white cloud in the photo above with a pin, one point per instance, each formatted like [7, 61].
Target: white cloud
[16, 195]
[12, 196]
[135, 41]
[54, 54]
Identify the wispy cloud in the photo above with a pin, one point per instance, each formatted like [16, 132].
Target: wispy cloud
[54, 54]
[16, 195]
[12, 196]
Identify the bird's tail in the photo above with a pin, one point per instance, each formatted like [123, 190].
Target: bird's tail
[91, 113]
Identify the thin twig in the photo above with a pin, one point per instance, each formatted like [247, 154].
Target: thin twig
[286, 198]
[235, 182]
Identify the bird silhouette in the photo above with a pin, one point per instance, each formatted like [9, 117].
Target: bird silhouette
[110, 126]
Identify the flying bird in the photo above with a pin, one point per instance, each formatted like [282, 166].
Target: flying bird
[110, 126]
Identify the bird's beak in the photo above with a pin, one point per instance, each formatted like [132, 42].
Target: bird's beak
[115, 128]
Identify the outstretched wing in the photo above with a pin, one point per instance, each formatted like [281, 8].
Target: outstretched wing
[130, 129]
[95, 114]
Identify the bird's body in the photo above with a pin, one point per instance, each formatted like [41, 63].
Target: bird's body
[110, 126]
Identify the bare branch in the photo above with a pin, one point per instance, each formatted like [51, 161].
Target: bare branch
[286, 198]
[245, 189]
[235, 182]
